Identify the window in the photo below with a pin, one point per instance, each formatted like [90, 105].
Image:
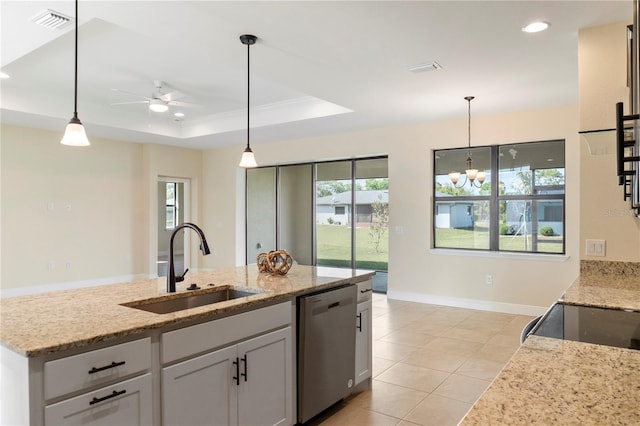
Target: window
[171, 205]
[518, 206]
[339, 210]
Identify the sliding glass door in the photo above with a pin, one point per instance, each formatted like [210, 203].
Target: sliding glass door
[326, 214]
[334, 211]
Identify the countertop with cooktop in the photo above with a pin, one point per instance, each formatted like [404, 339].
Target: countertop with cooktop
[553, 381]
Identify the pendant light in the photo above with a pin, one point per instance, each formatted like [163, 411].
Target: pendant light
[74, 134]
[248, 159]
[475, 177]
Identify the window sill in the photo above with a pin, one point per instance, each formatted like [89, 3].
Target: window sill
[501, 255]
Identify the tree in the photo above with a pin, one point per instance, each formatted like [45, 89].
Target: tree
[376, 184]
[331, 187]
[379, 222]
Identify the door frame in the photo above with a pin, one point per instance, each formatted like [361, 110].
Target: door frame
[186, 210]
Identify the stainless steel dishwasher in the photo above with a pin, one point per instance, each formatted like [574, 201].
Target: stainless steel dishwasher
[326, 349]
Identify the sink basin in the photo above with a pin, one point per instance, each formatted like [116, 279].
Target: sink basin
[191, 300]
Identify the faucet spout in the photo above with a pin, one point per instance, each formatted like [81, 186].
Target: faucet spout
[204, 247]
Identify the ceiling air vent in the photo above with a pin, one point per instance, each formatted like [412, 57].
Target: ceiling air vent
[51, 19]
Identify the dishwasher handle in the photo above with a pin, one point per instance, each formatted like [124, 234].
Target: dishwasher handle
[333, 305]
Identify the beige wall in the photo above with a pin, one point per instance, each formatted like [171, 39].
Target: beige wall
[78, 209]
[415, 271]
[90, 213]
[602, 82]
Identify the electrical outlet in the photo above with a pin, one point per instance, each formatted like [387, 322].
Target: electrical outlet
[488, 279]
[51, 265]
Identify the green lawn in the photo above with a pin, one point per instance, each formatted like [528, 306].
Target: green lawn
[334, 248]
[463, 238]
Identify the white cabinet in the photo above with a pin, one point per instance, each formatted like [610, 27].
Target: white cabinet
[249, 382]
[121, 400]
[127, 403]
[363, 333]
[199, 391]
[265, 392]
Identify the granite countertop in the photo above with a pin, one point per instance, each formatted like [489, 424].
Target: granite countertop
[613, 285]
[553, 381]
[50, 322]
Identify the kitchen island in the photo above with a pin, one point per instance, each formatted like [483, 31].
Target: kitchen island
[127, 352]
[553, 381]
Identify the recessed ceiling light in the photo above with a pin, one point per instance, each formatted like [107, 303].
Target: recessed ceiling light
[536, 27]
[4, 75]
[179, 114]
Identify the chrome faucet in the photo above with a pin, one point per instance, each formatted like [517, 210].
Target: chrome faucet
[204, 247]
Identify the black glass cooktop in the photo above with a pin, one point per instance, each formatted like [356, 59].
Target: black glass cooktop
[610, 327]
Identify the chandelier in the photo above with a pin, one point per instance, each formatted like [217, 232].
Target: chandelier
[475, 177]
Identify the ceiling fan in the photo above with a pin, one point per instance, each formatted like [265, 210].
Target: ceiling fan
[160, 99]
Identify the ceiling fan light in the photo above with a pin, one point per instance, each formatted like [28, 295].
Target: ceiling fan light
[74, 134]
[156, 105]
[248, 160]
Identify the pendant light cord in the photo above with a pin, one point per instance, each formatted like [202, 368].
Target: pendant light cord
[469, 124]
[248, 89]
[75, 90]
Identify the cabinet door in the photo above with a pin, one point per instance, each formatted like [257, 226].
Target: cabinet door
[363, 342]
[125, 403]
[265, 394]
[201, 391]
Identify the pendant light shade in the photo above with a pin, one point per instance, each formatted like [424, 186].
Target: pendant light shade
[74, 134]
[248, 159]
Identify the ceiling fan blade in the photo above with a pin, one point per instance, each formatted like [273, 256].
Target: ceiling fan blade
[131, 94]
[172, 96]
[183, 104]
[130, 102]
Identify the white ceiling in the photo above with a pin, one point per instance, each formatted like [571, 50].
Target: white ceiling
[318, 67]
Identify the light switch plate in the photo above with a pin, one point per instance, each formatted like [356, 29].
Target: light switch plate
[595, 248]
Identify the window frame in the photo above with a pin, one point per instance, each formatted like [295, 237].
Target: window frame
[173, 206]
[495, 198]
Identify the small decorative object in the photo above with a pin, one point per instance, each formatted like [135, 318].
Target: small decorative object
[275, 262]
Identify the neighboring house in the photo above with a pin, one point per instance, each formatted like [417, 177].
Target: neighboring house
[549, 214]
[336, 208]
[455, 214]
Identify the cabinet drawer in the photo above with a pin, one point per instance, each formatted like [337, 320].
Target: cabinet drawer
[98, 367]
[125, 403]
[364, 290]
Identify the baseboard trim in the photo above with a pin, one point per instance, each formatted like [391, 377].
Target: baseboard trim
[45, 288]
[483, 305]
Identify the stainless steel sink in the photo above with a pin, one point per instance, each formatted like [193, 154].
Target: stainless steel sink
[192, 300]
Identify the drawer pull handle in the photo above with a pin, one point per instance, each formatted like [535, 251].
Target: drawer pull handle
[104, 398]
[366, 290]
[106, 367]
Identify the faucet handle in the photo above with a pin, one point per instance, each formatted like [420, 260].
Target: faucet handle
[180, 278]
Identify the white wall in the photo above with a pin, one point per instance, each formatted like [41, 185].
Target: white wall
[415, 271]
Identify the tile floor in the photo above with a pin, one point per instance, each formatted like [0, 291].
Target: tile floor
[430, 364]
